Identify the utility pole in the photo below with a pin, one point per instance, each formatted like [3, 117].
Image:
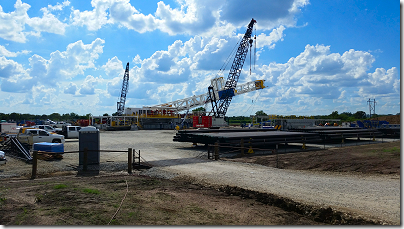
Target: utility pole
[372, 107]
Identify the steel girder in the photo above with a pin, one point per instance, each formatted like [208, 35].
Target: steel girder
[200, 100]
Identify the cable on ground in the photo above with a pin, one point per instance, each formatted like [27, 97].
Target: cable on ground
[127, 190]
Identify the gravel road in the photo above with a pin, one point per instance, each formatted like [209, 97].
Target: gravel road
[368, 196]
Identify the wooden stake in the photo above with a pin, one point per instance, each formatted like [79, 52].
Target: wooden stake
[217, 150]
[34, 164]
[129, 160]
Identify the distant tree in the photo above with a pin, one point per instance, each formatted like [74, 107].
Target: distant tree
[66, 117]
[349, 114]
[74, 116]
[334, 114]
[343, 117]
[359, 115]
[55, 117]
[43, 117]
[106, 114]
[14, 116]
[199, 110]
[260, 113]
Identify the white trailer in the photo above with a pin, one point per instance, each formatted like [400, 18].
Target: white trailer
[8, 128]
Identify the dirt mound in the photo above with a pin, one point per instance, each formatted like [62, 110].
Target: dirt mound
[392, 119]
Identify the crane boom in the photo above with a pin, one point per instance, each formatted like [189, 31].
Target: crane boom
[200, 100]
[219, 107]
[125, 85]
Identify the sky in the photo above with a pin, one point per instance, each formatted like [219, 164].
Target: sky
[315, 56]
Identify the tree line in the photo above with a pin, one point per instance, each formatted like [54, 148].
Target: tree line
[18, 117]
[344, 116]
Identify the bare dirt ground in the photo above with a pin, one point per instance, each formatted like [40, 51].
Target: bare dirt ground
[62, 196]
[392, 119]
[365, 159]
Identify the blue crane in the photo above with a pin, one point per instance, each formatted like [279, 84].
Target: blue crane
[221, 104]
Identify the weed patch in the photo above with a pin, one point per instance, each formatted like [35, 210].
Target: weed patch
[60, 186]
[91, 191]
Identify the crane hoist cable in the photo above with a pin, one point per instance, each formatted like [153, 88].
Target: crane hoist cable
[227, 61]
[252, 104]
[255, 45]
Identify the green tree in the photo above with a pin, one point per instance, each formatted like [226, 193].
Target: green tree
[349, 114]
[334, 114]
[55, 117]
[199, 109]
[359, 115]
[260, 113]
[74, 116]
[14, 116]
[66, 117]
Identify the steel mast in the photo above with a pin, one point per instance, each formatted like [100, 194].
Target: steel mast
[219, 107]
[122, 99]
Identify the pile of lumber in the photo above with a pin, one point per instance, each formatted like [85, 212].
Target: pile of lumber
[48, 156]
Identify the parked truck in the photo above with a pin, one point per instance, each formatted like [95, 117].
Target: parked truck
[69, 131]
[46, 127]
[8, 128]
[31, 136]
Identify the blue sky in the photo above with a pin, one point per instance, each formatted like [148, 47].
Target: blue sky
[315, 56]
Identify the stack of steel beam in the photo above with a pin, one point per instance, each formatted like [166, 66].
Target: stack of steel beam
[329, 133]
[250, 137]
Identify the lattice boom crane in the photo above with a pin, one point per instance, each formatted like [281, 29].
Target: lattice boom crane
[200, 100]
[221, 104]
[125, 85]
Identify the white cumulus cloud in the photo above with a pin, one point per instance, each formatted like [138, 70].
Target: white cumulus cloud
[13, 24]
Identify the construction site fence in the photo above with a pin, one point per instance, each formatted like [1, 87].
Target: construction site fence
[132, 156]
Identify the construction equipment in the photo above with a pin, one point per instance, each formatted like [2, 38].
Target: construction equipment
[121, 104]
[203, 99]
[221, 104]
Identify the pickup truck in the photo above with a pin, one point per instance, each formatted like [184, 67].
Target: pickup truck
[31, 136]
[69, 131]
[61, 124]
[46, 127]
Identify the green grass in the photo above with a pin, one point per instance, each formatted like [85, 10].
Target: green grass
[66, 209]
[92, 191]
[21, 217]
[392, 150]
[2, 199]
[60, 186]
[38, 198]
